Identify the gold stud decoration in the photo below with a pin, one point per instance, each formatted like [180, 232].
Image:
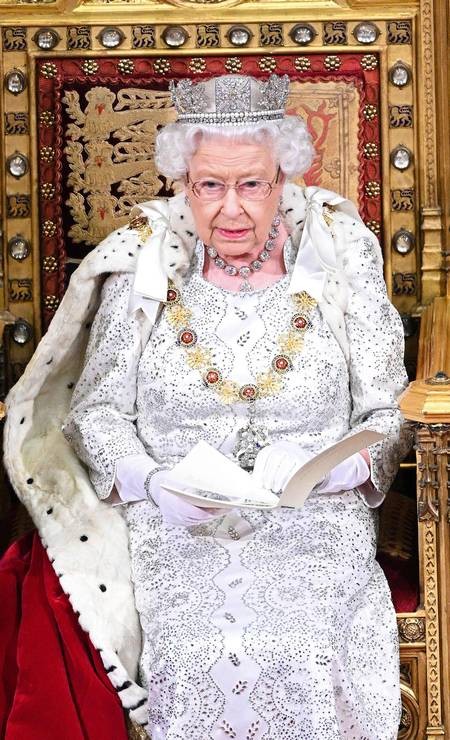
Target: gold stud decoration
[161, 65]
[369, 61]
[50, 263]
[290, 342]
[47, 118]
[374, 226]
[47, 154]
[228, 391]
[372, 189]
[301, 64]
[51, 302]
[370, 112]
[90, 66]
[199, 357]
[268, 384]
[332, 62]
[126, 66]
[49, 70]
[233, 64]
[267, 64]
[197, 64]
[178, 315]
[49, 228]
[47, 190]
[370, 150]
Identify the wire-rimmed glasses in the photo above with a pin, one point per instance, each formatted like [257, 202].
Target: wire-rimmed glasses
[209, 189]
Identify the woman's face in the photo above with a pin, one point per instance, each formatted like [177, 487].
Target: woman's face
[232, 225]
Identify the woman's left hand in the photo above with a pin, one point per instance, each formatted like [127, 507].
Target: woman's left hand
[350, 473]
[277, 463]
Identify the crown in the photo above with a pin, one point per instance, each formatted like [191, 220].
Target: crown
[230, 99]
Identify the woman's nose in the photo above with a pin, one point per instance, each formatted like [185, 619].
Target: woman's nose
[231, 204]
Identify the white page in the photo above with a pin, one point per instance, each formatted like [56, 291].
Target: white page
[304, 480]
[205, 471]
[206, 478]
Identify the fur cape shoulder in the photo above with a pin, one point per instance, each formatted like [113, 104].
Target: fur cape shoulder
[86, 539]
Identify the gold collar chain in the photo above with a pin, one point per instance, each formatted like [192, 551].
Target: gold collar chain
[269, 383]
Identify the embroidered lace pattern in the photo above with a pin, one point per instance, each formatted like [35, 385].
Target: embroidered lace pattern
[259, 625]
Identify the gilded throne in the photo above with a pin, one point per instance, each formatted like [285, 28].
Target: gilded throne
[85, 136]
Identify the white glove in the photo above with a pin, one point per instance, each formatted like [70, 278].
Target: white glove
[176, 512]
[277, 463]
[350, 473]
[131, 474]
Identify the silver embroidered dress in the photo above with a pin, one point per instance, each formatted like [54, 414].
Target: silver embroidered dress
[258, 625]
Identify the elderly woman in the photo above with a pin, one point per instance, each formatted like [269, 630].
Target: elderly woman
[250, 314]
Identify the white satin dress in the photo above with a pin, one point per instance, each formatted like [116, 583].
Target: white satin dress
[259, 625]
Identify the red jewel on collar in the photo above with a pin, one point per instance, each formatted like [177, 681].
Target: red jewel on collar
[299, 322]
[173, 295]
[281, 363]
[187, 337]
[212, 376]
[248, 392]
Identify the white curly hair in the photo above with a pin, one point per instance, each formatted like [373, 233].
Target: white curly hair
[290, 139]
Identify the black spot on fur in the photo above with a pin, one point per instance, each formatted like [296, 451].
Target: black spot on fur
[172, 264]
[174, 246]
[111, 668]
[181, 216]
[49, 362]
[84, 538]
[131, 254]
[139, 704]
[29, 481]
[189, 233]
[22, 420]
[70, 385]
[105, 257]
[102, 587]
[299, 222]
[289, 210]
[50, 510]
[125, 685]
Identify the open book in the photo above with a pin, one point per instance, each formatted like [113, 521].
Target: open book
[207, 478]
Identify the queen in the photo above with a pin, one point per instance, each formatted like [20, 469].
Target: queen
[251, 314]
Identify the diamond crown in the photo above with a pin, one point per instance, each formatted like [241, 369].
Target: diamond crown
[231, 99]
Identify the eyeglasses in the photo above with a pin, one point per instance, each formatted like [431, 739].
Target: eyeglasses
[208, 189]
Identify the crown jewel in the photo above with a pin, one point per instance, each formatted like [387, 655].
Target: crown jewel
[230, 99]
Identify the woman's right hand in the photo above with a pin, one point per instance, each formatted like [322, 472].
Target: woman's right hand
[174, 510]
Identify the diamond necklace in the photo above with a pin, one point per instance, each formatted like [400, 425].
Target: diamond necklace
[246, 270]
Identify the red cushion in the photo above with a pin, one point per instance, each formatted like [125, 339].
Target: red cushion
[402, 576]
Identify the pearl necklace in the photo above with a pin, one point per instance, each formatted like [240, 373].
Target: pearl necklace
[246, 270]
